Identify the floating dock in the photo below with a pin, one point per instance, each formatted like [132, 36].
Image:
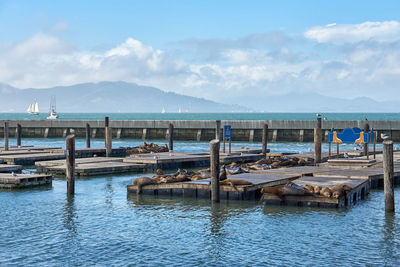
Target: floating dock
[10, 168]
[30, 159]
[93, 152]
[9, 181]
[360, 188]
[91, 166]
[202, 188]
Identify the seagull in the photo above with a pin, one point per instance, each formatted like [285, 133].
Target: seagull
[14, 174]
[345, 156]
[384, 136]
[318, 115]
[325, 118]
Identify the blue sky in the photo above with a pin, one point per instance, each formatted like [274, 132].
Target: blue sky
[206, 48]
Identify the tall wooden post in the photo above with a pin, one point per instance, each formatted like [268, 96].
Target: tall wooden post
[317, 145]
[223, 138]
[218, 130]
[366, 130]
[264, 139]
[19, 135]
[319, 122]
[108, 137]
[214, 169]
[171, 137]
[6, 134]
[388, 175]
[70, 164]
[88, 133]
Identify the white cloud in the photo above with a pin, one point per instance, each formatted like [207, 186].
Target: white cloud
[386, 31]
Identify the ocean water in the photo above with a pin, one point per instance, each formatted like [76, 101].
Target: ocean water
[102, 225]
[205, 116]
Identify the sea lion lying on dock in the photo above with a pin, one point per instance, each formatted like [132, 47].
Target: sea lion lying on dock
[234, 182]
[289, 189]
[142, 181]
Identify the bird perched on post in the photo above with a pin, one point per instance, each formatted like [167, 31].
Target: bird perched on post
[384, 136]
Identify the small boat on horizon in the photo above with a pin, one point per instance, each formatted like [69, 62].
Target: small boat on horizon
[33, 108]
[53, 113]
[163, 110]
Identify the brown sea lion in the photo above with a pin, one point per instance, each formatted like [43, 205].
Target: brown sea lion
[276, 190]
[317, 189]
[222, 173]
[160, 172]
[167, 179]
[326, 192]
[309, 188]
[234, 182]
[142, 181]
[347, 188]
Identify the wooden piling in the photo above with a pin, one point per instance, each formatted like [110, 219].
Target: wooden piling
[388, 175]
[88, 134]
[171, 137]
[108, 141]
[317, 145]
[319, 122]
[70, 164]
[19, 135]
[106, 124]
[264, 139]
[223, 139]
[6, 134]
[214, 169]
[218, 130]
[366, 130]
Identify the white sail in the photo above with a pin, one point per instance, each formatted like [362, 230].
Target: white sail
[163, 110]
[36, 108]
[30, 108]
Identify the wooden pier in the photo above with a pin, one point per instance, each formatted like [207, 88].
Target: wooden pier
[93, 152]
[10, 168]
[91, 166]
[202, 188]
[9, 181]
[30, 159]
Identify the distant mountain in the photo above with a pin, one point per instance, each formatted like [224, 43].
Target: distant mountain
[107, 97]
[310, 102]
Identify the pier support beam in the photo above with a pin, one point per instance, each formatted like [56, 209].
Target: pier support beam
[317, 145]
[171, 137]
[251, 136]
[46, 132]
[119, 131]
[108, 137]
[218, 130]
[198, 137]
[94, 132]
[388, 175]
[301, 136]
[366, 129]
[87, 135]
[6, 135]
[144, 134]
[275, 135]
[70, 164]
[264, 139]
[214, 169]
[19, 135]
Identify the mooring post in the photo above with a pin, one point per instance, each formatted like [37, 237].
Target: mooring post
[5, 135]
[317, 145]
[88, 135]
[366, 130]
[70, 164]
[19, 134]
[214, 169]
[108, 137]
[171, 137]
[264, 139]
[223, 139]
[388, 175]
[218, 130]
[319, 122]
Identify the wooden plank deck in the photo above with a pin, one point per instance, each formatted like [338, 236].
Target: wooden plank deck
[30, 159]
[202, 188]
[10, 168]
[8, 181]
[360, 188]
[300, 170]
[42, 165]
[93, 152]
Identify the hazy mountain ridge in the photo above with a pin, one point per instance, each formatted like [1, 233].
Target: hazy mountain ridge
[107, 97]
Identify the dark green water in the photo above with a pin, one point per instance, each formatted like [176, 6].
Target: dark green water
[205, 116]
[104, 226]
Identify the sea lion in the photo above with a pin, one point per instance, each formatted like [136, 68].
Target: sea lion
[347, 188]
[317, 189]
[195, 178]
[160, 172]
[181, 178]
[276, 190]
[275, 164]
[309, 188]
[142, 181]
[222, 173]
[293, 189]
[326, 192]
[234, 182]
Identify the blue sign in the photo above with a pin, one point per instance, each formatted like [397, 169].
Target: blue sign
[227, 132]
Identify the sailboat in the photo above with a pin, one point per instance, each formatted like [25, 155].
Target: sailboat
[53, 113]
[163, 110]
[33, 108]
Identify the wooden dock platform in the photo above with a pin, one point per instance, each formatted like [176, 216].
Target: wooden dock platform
[93, 152]
[360, 188]
[8, 181]
[10, 168]
[91, 166]
[202, 188]
[30, 159]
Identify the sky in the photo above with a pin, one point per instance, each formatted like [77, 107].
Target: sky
[230, 51]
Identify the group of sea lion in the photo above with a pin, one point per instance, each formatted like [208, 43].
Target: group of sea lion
[264, 164]
[147, 148]
[336, 191]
